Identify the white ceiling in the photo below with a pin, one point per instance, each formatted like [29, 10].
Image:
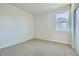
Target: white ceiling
[36, 8]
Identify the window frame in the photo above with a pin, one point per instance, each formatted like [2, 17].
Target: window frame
[61, 10]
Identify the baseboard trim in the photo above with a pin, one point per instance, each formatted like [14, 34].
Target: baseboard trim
[32, 37]
[53, 41]
[25, 39]
[47, 39]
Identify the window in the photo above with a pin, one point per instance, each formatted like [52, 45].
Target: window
[62, 21]
[77, 19]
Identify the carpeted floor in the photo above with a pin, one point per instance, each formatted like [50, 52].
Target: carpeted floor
[37, 47]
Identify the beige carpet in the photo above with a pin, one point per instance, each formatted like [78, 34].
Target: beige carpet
[37, 47]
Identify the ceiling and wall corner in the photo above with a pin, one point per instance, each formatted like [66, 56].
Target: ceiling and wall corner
[38, 8]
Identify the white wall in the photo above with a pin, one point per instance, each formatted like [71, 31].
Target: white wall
[15, 25]
[45, 29]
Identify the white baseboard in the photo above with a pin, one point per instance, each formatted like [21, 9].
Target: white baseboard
[31, 37]
[49, 39]
[26, 39]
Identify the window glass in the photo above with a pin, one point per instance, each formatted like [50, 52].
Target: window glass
[62, 21]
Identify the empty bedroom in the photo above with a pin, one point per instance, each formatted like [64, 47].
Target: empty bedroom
[39, 29]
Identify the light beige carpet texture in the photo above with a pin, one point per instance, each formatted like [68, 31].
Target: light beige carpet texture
[38, 47]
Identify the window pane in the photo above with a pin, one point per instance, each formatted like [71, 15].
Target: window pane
[62, 23]
[77, 20]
